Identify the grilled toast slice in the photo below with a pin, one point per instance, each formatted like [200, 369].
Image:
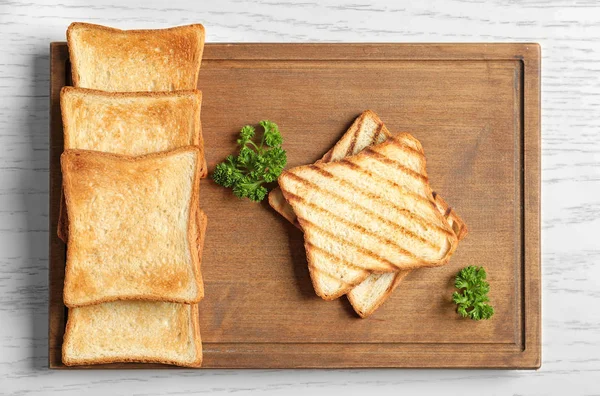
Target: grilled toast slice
[367, 129]
[372, 292]
[133, 331]
[131, 123]
[373, 210]
[333, 278]
[132, 224]
[135, 60]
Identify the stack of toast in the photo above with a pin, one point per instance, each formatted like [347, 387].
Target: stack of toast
[368, 214]
[130, 217]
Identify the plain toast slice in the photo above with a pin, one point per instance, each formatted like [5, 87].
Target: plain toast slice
[135, 60]
[132, 227]
[131, 123]
[133, 331]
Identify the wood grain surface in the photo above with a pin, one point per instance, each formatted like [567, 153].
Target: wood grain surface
[569, 34]
[483, 148]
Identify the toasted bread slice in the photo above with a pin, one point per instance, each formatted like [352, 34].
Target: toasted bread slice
[132, 225]
[371, 210]
[132, 123]
[135, 60]
[333, 278]
[367, 129]
[133, 331]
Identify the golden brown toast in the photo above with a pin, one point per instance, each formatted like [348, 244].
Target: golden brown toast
[132, 227]
[131, 123]
[135, 60]
[133, 331]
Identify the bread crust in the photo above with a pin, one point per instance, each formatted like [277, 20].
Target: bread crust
[175, 34]
[192, 237]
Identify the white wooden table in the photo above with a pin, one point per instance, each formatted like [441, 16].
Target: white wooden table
[569, 33]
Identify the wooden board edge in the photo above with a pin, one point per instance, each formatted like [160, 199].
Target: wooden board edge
[364, 51]
[56, 309]
[531, 57]
[341, 356]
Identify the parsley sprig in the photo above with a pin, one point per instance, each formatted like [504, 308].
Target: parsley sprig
[472, 298]
[255, 165]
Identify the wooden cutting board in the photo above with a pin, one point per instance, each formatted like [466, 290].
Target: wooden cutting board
[476, 110]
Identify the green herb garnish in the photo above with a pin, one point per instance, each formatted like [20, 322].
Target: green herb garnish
[473, 301]
[255, 165]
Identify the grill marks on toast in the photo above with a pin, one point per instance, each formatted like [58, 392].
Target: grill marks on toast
[353, 238]
[403, 220]
[409, 141]
[404, 144]
[352, 190]
[456, 223]
[369, 295]
[374, 169]
[344, 249]
[358, 233]
[392, 191]
[350, 150]
[370, 153]
[320, 195]
[339, 273]
[333, 258]
[377, 135]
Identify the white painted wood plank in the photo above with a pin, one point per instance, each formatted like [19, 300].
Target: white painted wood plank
[569, 32]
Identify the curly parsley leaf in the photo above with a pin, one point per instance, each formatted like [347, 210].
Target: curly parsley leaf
[255, 164]
[472, 299]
